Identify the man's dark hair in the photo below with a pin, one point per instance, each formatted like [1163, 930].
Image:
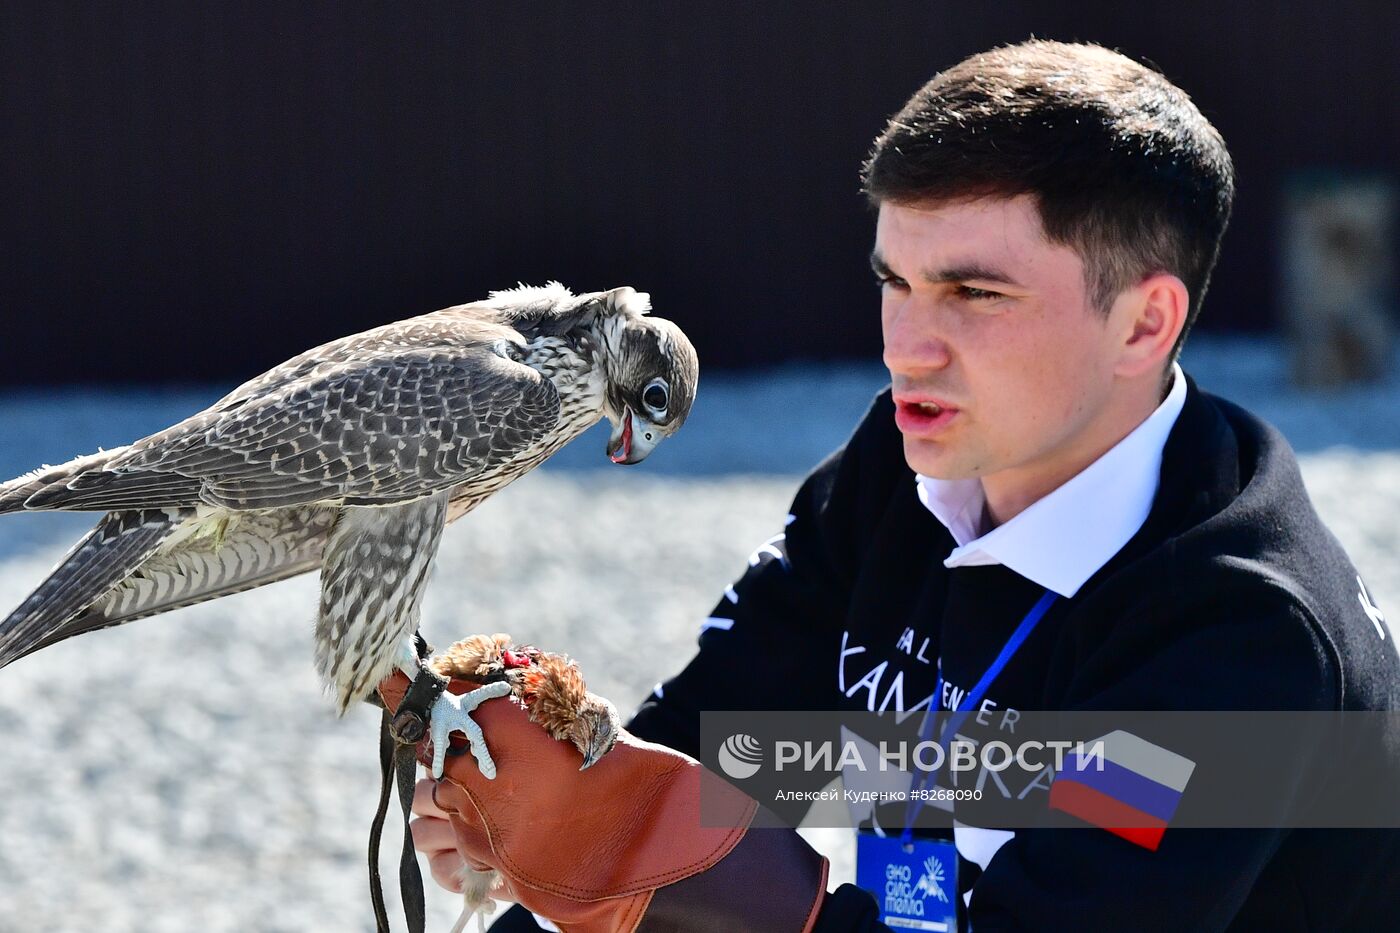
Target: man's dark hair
[1124, 169]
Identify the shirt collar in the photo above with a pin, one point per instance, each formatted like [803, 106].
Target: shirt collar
[1062, 539]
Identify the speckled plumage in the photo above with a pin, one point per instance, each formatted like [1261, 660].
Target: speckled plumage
[350, 458]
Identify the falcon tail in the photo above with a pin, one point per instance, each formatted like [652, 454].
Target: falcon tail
[101, 560]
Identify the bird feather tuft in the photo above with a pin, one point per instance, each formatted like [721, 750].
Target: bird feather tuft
[554, 693]
[550, 687]
[551, 291]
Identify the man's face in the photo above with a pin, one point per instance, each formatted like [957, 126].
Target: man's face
[985, 318]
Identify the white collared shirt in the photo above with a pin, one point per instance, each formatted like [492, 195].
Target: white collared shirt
[1105, 504]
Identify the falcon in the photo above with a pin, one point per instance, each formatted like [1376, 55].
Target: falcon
[351, 458]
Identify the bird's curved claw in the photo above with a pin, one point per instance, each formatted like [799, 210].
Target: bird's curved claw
[450, 715]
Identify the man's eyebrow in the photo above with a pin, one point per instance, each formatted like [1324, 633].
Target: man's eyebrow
[968, 273]
[963, 273]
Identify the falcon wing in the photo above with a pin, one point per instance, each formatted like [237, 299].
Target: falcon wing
[201, 561]
[255, 549]
[388, 426]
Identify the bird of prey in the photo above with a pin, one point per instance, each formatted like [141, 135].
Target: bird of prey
[351, 458]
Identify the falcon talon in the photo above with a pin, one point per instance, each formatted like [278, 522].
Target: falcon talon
[451, 714]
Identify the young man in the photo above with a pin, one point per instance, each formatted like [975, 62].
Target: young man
[1048, 217]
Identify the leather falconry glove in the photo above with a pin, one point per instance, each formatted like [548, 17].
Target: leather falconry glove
[619, 847]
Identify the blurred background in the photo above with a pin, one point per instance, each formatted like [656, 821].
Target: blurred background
[245, 179]
[192, 192]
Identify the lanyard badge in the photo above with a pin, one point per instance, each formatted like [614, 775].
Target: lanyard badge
[915, 884]
[915, 881]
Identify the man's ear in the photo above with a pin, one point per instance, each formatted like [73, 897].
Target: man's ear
[1153, 313]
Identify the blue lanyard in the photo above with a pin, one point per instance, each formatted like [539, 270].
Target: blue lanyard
[971, 701]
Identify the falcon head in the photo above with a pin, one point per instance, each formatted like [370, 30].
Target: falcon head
[651, 382]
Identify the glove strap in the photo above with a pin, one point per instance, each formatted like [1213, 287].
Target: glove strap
[397, 765]
[398, 733]
[376, 828]
[410, 877]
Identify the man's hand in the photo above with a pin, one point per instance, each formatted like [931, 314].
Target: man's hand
[433, 836]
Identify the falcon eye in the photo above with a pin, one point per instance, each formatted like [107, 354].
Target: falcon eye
[655, 397]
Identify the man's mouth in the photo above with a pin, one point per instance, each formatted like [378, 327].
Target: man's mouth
[922, 418]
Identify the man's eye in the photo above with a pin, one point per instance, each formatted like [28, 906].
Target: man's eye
[977, 294]
[881, 281]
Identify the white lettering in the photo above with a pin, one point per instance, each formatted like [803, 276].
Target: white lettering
[961, 755]
[875, 796]
[829, 794]
[785, 753]
[924, 748]
[1002, 748]
[1060, 746]
[841, 663]
[850, 756]
[891, 760]
[870, 681]
[896, 693]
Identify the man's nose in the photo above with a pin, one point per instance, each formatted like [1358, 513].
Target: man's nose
[912, 340]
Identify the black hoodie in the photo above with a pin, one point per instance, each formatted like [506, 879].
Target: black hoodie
[1233, 595]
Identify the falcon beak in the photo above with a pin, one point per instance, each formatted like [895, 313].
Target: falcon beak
[632, 439]
[590, 758]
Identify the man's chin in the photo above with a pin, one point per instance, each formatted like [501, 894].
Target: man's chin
[934, 460]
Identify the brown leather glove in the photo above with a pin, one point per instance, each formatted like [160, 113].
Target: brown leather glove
[620, 846]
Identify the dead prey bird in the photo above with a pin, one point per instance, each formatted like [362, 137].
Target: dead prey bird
[350, 459]
[552, 690]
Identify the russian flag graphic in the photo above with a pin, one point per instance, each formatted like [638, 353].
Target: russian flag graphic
[1131, 791]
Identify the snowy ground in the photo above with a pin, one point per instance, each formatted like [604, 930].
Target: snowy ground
[185, 773]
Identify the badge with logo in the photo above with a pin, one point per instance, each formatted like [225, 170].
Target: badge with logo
[916, 887]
